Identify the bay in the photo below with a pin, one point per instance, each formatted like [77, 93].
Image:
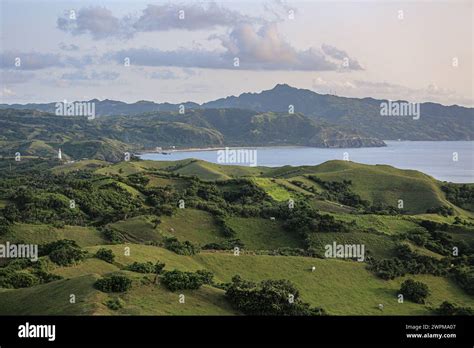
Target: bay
[444, 160]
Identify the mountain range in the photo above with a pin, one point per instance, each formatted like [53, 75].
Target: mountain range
[436, 122]
[37, 133]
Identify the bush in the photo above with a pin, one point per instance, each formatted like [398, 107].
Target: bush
[114, 283]
[184, 248]
[22, 280]
[206, 276]
[105, 254]
[67, 256]
[141, 267]
[177, 280]
[4, 229]
[448, 308]
[112, 235]
[414, 291]
[225, 245]
[159, 266]
[465, 278]
[269, 297]
[63, 252]
[114, 303]
[46, 277]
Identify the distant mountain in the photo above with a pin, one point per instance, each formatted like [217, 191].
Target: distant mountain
[37, 133]
[108, 107]
[436, 121]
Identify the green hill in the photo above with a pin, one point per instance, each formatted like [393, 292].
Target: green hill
[132, 209]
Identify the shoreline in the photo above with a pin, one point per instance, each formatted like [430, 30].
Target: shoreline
[200, 149]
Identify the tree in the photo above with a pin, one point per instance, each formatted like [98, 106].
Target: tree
[414, 291]
[113, 283]
[269, 297]
[156, 222]
[177, 280]
[105, 254]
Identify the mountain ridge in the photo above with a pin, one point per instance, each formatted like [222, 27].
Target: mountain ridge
[436, 122]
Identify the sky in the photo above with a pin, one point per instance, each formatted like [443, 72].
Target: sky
[203, 50]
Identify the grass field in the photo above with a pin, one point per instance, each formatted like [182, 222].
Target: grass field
[275, 190]
[377, 184]
[262, 234]
[341, 287]
[40, 234]
[387, 224]
[377, 245]
[138, 229]
[194, 225]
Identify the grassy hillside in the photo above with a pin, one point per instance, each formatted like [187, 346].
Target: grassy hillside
[39, 234]
[132, 209]
[377, 184]
[341, 287]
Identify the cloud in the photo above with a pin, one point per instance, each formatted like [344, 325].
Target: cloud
[29, 61]
[341, 55]
[262, 49]
[6, 92]
[100, 22]
[266, 49]
[189, 17]
[386, 90]
[66, 47]
[38, 61]
[171, 75]
[96, 21]
[178, 58]
[13, 77]
[164, 75]
[83, 76]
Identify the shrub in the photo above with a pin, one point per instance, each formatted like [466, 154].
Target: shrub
[46, 277]
[62, 252]
[141, 267]
[269, 297]
[177, 280]
[22, 280]
[465, 278]
[448, 308]
[225, 245]
[159, 266]
[112, 235]
[113, 283]
[115, 303]
[184, 248]
[414, 291]
[206, 276]
[227, 231]
[67, 256]
[4, 229]
[105, 254]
